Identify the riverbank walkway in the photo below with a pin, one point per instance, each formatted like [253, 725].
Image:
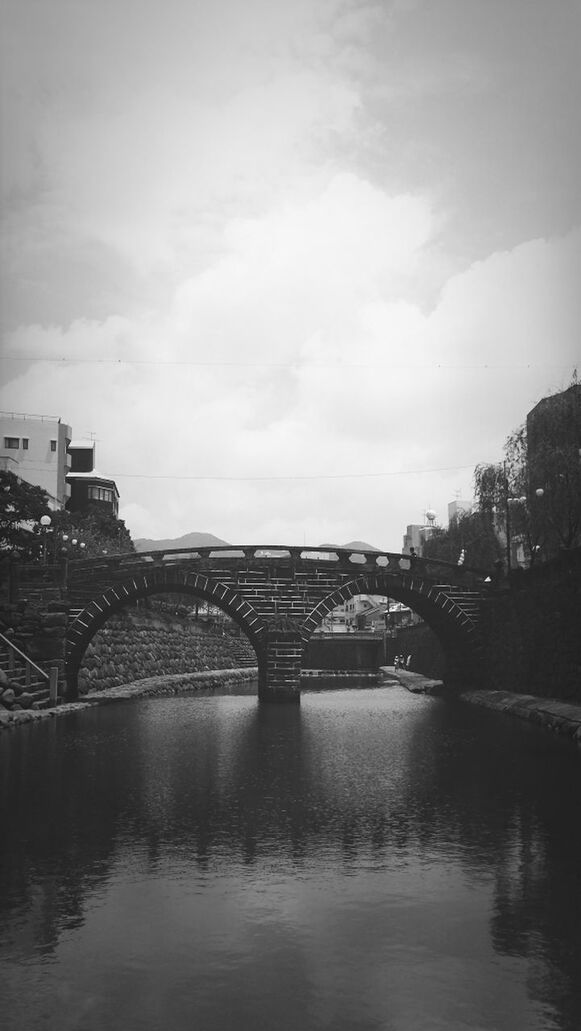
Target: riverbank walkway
[551, 713]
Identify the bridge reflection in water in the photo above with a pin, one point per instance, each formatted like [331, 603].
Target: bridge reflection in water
[279, 596]
[371, 859]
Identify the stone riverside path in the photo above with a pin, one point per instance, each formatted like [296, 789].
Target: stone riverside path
[552, 713]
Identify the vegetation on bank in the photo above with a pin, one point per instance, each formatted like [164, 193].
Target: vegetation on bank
[23, 506]
[533, 496]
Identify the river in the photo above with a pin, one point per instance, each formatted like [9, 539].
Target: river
[371, 861]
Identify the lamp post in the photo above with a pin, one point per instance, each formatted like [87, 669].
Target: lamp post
[509, 502]
[45, 522]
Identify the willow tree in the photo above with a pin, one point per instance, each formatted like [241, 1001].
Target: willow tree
[534, 494]
[554, 468]
[470, 533]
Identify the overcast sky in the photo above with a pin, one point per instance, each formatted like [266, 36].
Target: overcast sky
[298, 266]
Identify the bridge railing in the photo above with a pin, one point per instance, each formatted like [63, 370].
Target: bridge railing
[343, 559]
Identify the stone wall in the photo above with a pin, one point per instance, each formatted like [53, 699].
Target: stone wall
[345, 652]
[39, 630]
[133, 647]
[533, 631]
[421, 643]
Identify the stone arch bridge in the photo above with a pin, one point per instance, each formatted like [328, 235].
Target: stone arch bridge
[279, 596]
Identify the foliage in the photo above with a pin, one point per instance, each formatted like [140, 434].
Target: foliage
[472, 533]
[534, 495]
[99, 531]
[21, 507]
[555, 468]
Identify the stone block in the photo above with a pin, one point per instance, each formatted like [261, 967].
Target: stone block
[55, 619]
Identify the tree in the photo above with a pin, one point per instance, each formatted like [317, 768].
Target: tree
[100, 532]
[21, 507]
[471, 533]
[554, 469]
[534, 495]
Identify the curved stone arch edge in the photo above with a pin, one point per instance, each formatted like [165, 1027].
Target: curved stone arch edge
[443, 615]
[93, 617]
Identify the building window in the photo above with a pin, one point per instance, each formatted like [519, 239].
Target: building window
[25, 443]
[53, 445]
[101, 494]
[12, 442]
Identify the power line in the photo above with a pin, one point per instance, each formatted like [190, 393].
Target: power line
[315, 476]
[281, 365]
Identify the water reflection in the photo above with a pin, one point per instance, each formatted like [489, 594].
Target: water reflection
[307, 861]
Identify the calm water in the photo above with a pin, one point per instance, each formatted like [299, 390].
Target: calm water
[375, 861]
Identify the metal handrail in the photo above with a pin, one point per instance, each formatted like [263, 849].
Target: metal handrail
[28, 661]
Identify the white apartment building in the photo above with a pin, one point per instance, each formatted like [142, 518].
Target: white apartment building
[34, 447]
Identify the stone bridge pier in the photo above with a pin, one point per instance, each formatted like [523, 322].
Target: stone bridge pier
[279, 672]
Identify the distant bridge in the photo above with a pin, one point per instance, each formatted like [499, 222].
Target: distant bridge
[279, 596]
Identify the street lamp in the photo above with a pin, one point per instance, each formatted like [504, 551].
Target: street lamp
[45, 522]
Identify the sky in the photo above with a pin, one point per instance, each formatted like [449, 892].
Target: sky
[297, 267]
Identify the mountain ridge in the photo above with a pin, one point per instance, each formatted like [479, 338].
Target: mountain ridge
[197, 539]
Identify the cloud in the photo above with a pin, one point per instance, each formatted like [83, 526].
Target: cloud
[286, 240]
[363, 382]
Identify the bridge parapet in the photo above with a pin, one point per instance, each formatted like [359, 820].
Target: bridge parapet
[296, 559]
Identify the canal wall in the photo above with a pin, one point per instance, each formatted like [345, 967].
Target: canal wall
[345, 652]
[550, 713]
[420, 642]
[531, 631]
[134, 646]
[37, 628]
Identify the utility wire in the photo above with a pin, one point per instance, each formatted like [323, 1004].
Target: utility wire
[249, 479]
[388, 366]
[315, 476]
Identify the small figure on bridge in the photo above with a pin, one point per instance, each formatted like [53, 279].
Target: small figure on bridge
[413, 557]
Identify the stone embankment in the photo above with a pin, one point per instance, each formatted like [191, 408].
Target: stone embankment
[179, 683]
[551, 713]
[135, 646]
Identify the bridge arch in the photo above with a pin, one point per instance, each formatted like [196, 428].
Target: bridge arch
[161, 580]
[455, 629]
